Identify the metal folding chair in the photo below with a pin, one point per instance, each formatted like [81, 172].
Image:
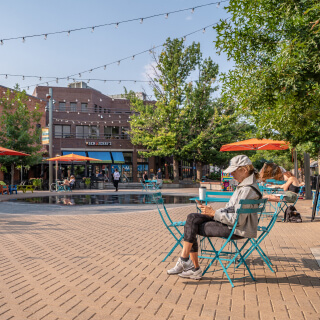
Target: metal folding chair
[172, 226]
[158, 185]
[232, 255]
[144, 187]
[264, 231]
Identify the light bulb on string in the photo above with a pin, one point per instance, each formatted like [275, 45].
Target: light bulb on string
[118, 62]
[79, 75]
[141, 20]
[6, 76]
[167, 15]
[68, 33]
[192, 10]
[218, 5]
[28, 88]
[90, 70]
[133, 57]
[184, 38]
[92, 29]
[104, 67]
[68, 78]
[1, 42]
[204, 30]
[23, 39]
[47, 83]
[117, 25]
[57, 80]
[22, 77]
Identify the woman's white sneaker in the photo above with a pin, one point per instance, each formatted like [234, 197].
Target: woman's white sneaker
[181, 266]
[191, 274]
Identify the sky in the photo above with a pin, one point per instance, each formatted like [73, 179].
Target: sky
[61, 55]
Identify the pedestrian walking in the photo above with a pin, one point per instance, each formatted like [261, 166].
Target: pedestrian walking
[116, 178]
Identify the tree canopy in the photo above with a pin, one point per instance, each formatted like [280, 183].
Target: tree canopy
[275, 81]
[19, 128]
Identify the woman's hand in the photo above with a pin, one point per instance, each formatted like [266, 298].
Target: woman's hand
[207, 210]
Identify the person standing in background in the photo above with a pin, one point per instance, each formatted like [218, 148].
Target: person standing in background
[116, 178]
[159, 176]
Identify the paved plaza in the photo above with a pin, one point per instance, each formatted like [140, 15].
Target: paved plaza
[105, 262]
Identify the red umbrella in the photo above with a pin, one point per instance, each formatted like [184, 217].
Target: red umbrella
[8, 152]
[255, 144]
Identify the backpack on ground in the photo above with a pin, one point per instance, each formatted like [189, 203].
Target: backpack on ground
[292, 215]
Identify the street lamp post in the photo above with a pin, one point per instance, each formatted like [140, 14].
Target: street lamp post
[49, 96]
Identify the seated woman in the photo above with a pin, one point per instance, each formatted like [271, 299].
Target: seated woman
[211, 223]
[291, 188]
[69, 183]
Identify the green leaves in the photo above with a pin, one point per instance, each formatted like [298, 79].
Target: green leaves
[275, 81]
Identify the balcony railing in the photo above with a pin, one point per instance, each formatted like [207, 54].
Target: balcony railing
[92, 136]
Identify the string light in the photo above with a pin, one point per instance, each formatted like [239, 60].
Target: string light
[45, 37]
[204, 30]
[218, 5]
[92, 29]
[117, 25]
[167, 15]
[192, 10]
[68, 33]
[1, 42]
[23, 39]
[118, 61]
[104, 67]
[141, 20]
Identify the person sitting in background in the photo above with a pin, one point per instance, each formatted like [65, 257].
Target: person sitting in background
[69, 183]
[159, 176]
[291, 188]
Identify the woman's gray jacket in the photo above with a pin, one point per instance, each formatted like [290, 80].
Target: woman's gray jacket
[247, 223]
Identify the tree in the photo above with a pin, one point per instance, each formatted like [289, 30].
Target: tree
[19, 129]
[185, 122]
[275, 46]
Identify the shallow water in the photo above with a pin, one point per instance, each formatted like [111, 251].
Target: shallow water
[98, 199]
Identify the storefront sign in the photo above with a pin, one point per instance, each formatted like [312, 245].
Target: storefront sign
[98, 143]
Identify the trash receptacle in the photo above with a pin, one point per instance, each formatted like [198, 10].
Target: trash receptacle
[100, 184]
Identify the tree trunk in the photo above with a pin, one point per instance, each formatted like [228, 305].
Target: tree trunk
[12, 173]
[301, 171]
[166, 171]
[175, 171]
[199, 170]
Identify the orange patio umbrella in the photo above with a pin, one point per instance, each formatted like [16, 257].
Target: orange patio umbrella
[255, 144]
[71, 158]
[9, 152]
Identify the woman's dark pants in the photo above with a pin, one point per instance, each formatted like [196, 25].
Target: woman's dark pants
[199, 224]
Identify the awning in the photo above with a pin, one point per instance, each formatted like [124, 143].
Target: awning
[117, 157]
[104, 156]
[78, 153]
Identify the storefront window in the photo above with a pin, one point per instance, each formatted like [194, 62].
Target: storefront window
[126, 174]
[127, 157]
[141, 169]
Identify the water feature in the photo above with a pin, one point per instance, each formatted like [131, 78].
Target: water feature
[101, 199]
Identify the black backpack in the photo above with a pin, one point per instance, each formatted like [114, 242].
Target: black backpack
[292, 215]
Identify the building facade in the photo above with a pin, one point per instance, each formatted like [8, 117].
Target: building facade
[89, 123]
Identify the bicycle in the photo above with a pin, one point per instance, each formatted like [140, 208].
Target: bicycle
[55, 186]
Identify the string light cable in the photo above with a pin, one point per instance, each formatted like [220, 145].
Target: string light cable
[104, 66]
[116, 24]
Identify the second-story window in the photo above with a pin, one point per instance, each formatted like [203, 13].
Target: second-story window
[124, 132]
[111, 132]
[84, 107]
[95, 108]
[73, 106]
[87, 132]
[62, 131]
[62, 106]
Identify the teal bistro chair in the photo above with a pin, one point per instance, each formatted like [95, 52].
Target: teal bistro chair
[263, 232]
[143, 185]
[229, 253]
[172, 226]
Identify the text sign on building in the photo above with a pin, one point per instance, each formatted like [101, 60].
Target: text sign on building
[98, 143]
[45, 135]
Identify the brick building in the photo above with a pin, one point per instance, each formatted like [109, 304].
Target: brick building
[30, 103]
[89, 123]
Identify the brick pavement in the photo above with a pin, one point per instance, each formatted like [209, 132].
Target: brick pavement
[108, 266]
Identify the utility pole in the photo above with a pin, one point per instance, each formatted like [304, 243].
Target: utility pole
[295, 159]
[50, 136]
